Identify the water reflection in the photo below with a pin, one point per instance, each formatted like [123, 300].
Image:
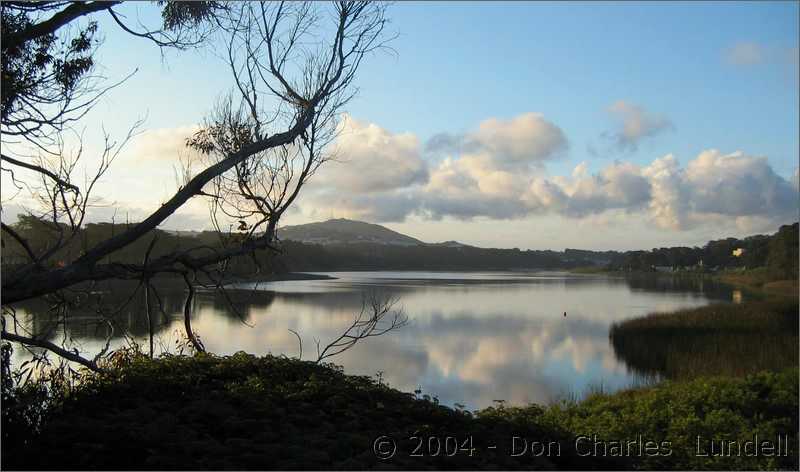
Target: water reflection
[472, 337]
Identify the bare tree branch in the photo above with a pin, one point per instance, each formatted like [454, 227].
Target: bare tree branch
[71, 356]
[40, 170]
[292, 74]
[371, 321]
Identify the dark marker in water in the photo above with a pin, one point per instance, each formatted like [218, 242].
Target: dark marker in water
[565, 314]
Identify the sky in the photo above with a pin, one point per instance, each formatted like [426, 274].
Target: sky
[531, 125]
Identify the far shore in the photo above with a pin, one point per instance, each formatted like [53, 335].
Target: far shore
[287, 276]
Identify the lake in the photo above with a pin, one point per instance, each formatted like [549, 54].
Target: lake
[472, 338]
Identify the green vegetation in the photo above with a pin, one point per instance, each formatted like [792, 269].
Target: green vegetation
[775, 257]
[246, 412]
[720, 339]
[295, 256]
[719, 408]
[760, 280]
[763, 259]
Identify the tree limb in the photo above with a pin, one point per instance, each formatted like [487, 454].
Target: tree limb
[69, 355]
[51, 25]
[40, 170]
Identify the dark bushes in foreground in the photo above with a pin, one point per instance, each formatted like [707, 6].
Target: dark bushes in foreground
[244, 412]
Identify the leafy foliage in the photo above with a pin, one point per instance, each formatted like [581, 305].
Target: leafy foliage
[45, 70]
[181, 15]
[765, 404]
[245, 412]
[777, 252]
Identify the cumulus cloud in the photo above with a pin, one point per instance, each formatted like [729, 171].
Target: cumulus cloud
[618, 186]
[495, 172]
[738, 185]
[383, 177]
[637, 123]
[160, 144]
[371, 176]
[712, 187]
[373, 159]
[745, 53]
[669, 204]
[378, 207]
[444, 143]
[492, 167]
[525, 140]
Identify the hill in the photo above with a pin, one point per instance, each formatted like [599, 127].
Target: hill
[342, 244]
[343, 231]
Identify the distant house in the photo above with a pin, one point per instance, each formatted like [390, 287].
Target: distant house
[738, 252]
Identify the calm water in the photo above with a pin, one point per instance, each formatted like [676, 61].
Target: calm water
[472, 338]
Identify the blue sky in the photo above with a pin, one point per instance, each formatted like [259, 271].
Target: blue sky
[458, 64]
[722, 75]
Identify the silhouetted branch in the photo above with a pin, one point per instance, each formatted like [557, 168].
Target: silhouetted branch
[71, 356]
[40, 170]
[371, 321]
[299, 342]
[187, 317]
[49, 26]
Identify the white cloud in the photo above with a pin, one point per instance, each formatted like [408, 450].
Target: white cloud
[495, 172]
[619, 185]
[374, 207]
[373, 159]
[523, 140]
[738, 185]
[745, 53]
[669, 197]
[384, 178]
[160, 144]
[637, 123]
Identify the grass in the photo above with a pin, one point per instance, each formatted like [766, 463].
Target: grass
[246, 412]
[782, 287]
[720, 339]
[759, 279]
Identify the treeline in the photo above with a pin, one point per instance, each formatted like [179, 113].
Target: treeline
[365, 256]
[41, 235]
[777, 254]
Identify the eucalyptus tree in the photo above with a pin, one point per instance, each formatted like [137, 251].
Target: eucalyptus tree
[292, 68]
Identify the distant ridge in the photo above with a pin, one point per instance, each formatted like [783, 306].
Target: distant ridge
[344, 231]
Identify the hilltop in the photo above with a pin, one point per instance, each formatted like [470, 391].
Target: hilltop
[344, 231]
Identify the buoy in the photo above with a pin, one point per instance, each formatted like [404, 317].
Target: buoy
[565, 314]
